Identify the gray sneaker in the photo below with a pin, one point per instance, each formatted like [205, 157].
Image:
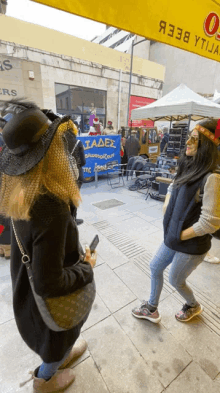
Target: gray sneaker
[188, 312]
[143, 313]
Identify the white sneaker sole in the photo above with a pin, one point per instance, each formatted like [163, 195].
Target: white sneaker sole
[156, 320]
[194, 315]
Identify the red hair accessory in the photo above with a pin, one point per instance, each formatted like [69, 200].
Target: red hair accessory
[217, 130]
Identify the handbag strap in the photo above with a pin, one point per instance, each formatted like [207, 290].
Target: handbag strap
[25, 257]
[77, 142]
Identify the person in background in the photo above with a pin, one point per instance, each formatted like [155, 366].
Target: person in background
[189, 221]
[132, 145]
[109, 130]
[77, 150]
[165, 139]
[101, 127]
[95, 130]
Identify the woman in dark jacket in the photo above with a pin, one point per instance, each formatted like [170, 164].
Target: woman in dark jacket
[38, 184]
[192, 215]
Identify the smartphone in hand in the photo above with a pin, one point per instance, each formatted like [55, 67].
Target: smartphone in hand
[94, 244]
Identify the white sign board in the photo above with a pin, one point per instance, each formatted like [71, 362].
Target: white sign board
[153, 149]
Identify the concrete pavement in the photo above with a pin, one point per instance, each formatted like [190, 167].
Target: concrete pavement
[127, 355]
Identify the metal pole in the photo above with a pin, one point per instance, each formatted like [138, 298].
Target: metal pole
[119, 99]
[189, 122]
[171, 122]
[129, 92]
[96, 176]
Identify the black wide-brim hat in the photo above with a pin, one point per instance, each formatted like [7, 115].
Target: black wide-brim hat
[20, 154]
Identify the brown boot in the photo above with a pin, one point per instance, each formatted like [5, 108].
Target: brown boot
[58, 383]
[5, 250]
[77, 351]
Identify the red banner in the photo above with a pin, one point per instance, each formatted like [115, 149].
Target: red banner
[137, 102]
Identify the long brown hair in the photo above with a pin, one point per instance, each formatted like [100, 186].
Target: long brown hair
[191, 169]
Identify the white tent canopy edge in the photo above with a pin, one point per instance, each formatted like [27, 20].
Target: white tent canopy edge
[179, 104]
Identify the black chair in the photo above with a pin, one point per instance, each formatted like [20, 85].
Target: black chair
[115, 174]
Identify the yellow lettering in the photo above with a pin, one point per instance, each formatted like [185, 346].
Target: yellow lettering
[101, 143]
[87, 145]
[94, 144]
[112, 143]
[107, 142]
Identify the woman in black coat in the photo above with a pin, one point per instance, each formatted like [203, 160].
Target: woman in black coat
[39, 182]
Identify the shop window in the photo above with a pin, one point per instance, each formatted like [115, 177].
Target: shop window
[81, 103]
[67, 103]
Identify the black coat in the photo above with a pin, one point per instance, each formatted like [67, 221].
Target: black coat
[51, 239]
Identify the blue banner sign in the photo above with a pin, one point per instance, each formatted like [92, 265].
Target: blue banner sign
[100, 151]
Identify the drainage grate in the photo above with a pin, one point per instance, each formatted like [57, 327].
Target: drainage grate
[108, 204]
[128, 247]
[141, 258]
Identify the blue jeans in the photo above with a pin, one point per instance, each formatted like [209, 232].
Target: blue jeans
[182, 265]
[47, 370]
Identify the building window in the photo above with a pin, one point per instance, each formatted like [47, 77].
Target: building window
[67, 103]
[81, 103]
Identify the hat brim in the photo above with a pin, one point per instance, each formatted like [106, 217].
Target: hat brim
[15, 165]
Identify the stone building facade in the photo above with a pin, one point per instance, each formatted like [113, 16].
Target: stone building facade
[44, 76]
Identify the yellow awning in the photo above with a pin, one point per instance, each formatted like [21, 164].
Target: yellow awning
[192, 25]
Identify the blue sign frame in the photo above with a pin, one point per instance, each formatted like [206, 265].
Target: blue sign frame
[99, 151]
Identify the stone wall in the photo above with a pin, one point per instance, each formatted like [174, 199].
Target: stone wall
[198, 73]
[50, 68]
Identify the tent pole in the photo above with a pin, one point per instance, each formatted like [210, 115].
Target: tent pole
[129, 91]
[189, 124]
[171, 122]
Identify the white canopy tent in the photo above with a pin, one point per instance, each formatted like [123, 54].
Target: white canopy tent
[181, 103]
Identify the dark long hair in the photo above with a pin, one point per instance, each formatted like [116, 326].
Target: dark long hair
[191, 169]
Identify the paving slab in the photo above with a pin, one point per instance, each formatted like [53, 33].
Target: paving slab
[110, 254]
[125, 215]
[135, 227]
[151, 241]
[114, 293]
[120, 364]
[98, 313]
[158, 223]
[6, 299]
[202, 344]
[16, 360]
[206, 278]
[193, 380]
[150, 213]
[88, 379]
[136, 281]
[4, 267]
[162, 352]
